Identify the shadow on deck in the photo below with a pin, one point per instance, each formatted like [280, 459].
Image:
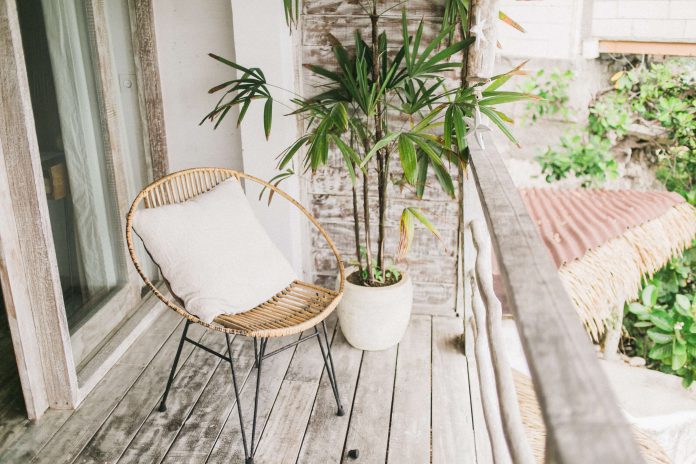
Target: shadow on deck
[409, 404]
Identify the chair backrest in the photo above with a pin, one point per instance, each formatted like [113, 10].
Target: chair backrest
[183, 185]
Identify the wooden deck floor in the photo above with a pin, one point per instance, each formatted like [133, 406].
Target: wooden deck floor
[410, 404]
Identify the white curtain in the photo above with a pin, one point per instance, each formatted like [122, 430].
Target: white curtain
[74, 77]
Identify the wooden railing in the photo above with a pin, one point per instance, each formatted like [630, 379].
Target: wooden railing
[582, 419]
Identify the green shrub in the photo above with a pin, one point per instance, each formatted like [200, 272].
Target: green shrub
[662, 326]
[659, 94]
[552, 89]
[586, 157]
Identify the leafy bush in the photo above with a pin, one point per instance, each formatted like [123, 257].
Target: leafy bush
[552, 89]
[585, 157]
[662, 326]
[658, 94]
[610, 114]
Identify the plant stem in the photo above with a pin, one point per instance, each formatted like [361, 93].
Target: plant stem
[366, 213]
[381, 157]
[356, 226]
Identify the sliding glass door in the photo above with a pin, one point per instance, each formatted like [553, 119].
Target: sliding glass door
[91, 157]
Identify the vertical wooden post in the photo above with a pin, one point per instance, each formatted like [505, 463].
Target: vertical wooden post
[483, 25]
[22, 164]
[149, 84]
[478, 66]
[18, 305]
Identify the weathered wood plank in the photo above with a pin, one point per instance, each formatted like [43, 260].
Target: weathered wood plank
[409, 437]
[17, 303]
[19, 435]
[452, 419]
[282, 436]
[112, 438]
[353, 7]
[579, 408]
[160, 429]
[315, 29]
[369, 422]
[25, 179]
[290, 387]
[144, 319]
[149, 84]
[326, 432]
[228, 447]
[60, 435]
[202, 428]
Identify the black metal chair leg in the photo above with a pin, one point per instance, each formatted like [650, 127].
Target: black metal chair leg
[330, 371]
[238, 400]
[259, 363]
[163, 403]
[249, 447]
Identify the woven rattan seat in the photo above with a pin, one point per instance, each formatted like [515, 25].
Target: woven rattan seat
[298, 307]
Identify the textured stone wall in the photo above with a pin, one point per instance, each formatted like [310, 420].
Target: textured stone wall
[430, 262]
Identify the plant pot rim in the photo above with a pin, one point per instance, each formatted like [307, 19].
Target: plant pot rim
[405, 277]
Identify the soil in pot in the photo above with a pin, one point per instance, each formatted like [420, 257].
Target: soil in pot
[356, 279]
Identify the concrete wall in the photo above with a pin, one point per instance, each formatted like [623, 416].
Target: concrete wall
[187, 73]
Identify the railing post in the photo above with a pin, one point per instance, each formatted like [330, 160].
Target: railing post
[515, 435]
[582, 419]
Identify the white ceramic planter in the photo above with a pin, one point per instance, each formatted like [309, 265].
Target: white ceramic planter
[375, 318]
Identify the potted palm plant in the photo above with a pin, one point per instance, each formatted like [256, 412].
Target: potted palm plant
[378, 103]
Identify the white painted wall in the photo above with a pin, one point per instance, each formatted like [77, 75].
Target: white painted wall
[262, 40]
[186, 32]
[645, 20]
[553, 29]
[556, 29]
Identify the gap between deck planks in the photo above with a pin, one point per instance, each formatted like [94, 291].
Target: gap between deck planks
[409, 404]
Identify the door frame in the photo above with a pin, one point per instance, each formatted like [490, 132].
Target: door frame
[28, 267]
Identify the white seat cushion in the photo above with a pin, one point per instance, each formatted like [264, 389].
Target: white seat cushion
[214, 253]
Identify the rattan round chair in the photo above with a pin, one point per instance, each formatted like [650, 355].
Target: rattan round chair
[299, 307]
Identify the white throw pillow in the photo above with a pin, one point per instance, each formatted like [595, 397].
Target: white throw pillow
[214, 253]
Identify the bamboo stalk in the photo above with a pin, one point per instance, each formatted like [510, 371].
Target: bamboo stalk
[366, 215]
[381, 157]
[356, 226]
